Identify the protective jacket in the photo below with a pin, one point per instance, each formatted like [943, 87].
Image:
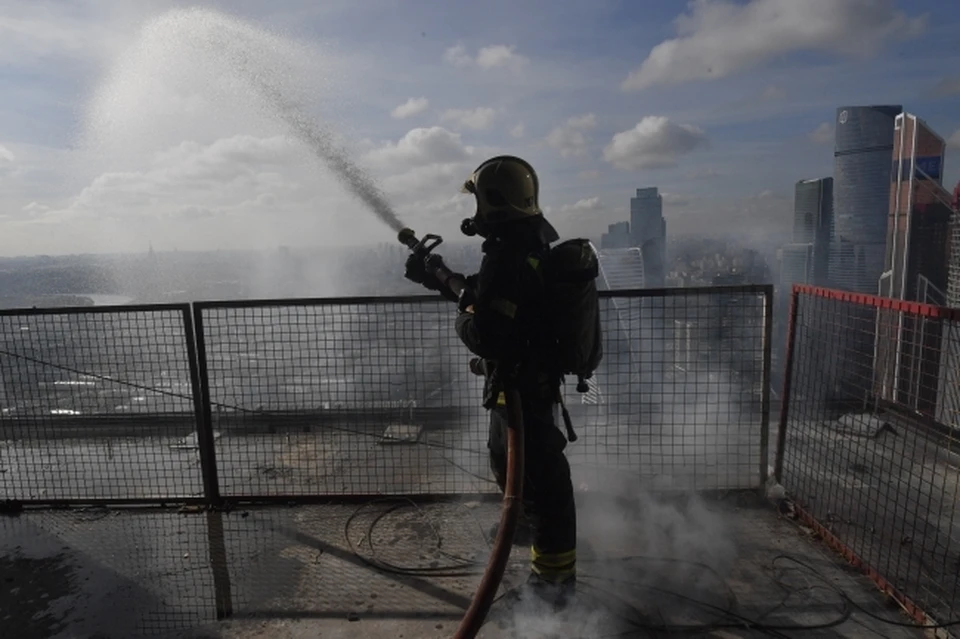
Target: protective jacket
[507, 327]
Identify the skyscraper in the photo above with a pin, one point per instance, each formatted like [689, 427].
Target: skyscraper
[916, 264]
[616, 237]
[648, 230]
[919, 215]
[861, 205]
[812, 221]
[861, 196]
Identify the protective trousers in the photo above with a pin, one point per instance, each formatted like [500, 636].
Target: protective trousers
[547, 487]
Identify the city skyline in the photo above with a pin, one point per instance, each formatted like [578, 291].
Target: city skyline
[120, 128]
[874, 192]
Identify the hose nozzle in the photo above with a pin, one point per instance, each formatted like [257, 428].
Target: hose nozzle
[408, 238]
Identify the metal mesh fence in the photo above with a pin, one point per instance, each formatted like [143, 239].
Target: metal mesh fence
[354, 397]
[374, 396]
[361, 397]
[869, 441]
[97, 404]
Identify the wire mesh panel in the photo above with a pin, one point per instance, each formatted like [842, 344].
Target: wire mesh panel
[342, 397]
[97, 404]
[374, 396]
[870, 439]
[681, 397]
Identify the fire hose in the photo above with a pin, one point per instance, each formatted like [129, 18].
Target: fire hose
[512, 502]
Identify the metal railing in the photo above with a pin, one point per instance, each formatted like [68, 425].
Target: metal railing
[868, 444]
[308, 400]
[99, 404]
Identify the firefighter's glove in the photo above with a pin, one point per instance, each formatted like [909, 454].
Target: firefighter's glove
[468, 297]
[416, 270]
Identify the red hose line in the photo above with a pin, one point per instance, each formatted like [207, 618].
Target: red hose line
[509, 515]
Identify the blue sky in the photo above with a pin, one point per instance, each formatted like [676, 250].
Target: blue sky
[121, 128]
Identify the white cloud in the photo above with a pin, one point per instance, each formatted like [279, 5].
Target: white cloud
[655, 142]
[498, 55]
[719, 38]
[34, 33]
[947, 86]
[589, 174]
[773, 92]
[707, 173]
[586, 204]
[495, 56]
[518, 131]
[419, 147]
[236, 192]
[6, 155]
[571, 137]
[676, 199]
[587, 217]
[422, 173]
[457, 56]
[823, 134]
[411, 107]
[35, 208]
[478, 118]
[954, 140]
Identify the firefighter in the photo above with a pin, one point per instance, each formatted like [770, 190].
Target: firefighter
[502, 320]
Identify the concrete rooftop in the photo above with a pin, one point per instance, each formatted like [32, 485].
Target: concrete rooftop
[332, 571]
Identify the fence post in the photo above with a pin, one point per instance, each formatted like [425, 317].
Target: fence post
[787, 380]
[765, 388]
[193, 324]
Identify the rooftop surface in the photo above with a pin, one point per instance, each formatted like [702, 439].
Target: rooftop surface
[401, 569]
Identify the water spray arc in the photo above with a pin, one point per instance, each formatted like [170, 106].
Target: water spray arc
[256, 64]
[321, 142]
[361, 185]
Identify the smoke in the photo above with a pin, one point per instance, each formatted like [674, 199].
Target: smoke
[677, 414]
[644, 559]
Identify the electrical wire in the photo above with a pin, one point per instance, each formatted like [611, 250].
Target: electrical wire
[725, 616]
[97, 376]
[859, 608]
[457, 569]
[242, 409]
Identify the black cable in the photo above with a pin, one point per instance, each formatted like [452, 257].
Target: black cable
[860, 608]
[241, 409]
[728, 618]
[739, 621]
[379, 564]
[102, 378]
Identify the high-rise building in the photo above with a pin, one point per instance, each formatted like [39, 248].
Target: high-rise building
[616, 237]
[916, 265]
[916, 258]
[861, 196]
[812, 221]
[648, 231]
